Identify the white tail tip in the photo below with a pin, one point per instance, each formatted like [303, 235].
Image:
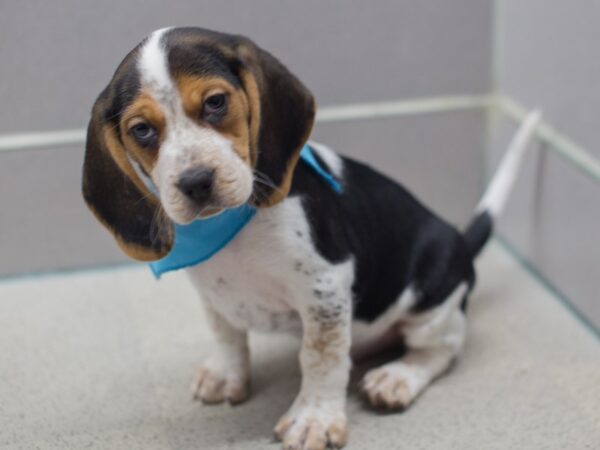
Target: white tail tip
[499, 188]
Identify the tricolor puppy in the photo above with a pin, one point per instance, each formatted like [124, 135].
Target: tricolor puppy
[197, 124]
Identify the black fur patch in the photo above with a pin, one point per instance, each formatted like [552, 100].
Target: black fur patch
[194, 51]
[395, 241]
[287, 114]
[478, 232]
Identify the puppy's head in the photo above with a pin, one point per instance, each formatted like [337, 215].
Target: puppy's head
[192, 123]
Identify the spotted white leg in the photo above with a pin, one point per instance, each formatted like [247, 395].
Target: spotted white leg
[317, 418]
[225, 374]
[433, 340]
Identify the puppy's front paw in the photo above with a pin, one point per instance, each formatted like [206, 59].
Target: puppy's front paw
[312, 428]
[215, 386]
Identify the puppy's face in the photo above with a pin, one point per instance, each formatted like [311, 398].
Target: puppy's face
[190, 130]
[193, 122]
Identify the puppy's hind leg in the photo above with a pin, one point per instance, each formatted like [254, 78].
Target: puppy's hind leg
[433, 339]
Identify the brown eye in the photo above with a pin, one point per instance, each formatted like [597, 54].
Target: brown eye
[144, 134]
[215, 104]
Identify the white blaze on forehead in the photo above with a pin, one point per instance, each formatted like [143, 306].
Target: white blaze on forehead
[154, 68]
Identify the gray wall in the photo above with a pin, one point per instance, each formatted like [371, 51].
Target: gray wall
[56, 57]
[62, 53]
[546, 56]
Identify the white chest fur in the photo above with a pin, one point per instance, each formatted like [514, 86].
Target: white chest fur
[270, 271]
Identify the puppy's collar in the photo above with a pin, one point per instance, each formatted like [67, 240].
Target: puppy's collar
[202, 239]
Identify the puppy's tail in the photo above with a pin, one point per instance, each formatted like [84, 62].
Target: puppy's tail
[491, 204]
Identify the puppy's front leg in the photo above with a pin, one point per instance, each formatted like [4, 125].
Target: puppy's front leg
[225, 375]
[317, 418]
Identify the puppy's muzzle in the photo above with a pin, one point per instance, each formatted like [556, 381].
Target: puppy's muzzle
[197, 184]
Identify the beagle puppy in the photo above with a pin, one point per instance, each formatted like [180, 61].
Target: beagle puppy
[195, 123]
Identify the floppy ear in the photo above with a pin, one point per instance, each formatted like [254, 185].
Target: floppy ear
[118, 198]
[282, 115]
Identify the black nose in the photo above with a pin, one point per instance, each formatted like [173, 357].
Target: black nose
[196, 184]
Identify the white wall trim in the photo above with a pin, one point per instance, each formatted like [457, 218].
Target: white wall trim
[377, 110]
[36, 140]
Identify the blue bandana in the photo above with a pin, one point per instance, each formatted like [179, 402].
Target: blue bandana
[201, 239]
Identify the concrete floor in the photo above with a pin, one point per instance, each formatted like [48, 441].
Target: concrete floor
[104, 359]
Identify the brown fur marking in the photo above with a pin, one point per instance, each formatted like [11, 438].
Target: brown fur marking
[143, 109]
[118, 154]
[195, 90]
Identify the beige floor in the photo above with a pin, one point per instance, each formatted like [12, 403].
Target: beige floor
[103, 359]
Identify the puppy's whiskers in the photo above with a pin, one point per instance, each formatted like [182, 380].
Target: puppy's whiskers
[143, 197]
[266, 181]
[158, 225]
